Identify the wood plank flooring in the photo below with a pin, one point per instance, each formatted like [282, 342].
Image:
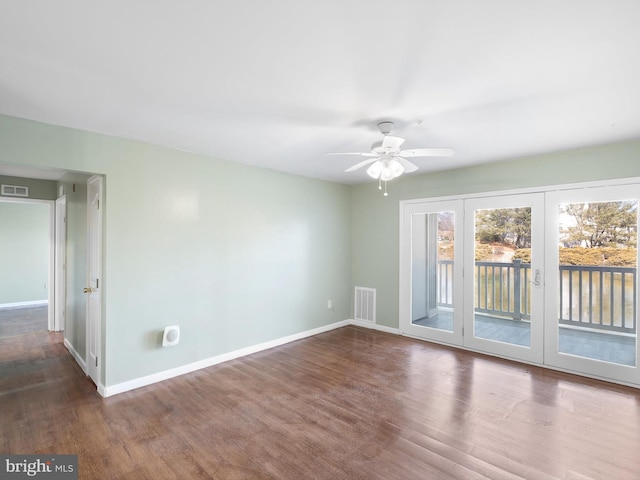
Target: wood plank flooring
[348, 404]
[23, 321]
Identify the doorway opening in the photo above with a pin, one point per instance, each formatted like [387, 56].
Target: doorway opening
[68, 261]
[26, 256]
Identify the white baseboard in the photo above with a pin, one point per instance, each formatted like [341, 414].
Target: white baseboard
[102, 390]
[76, 356]
[375, 326]
[208, 362]
[82, 363]
[107, 391]
[31, 303]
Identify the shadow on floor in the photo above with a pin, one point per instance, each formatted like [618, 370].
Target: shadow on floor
[596, 345]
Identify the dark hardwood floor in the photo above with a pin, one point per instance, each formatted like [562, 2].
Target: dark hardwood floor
[23, 321]
[348, 404]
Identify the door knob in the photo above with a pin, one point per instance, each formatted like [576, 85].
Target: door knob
[86, 290]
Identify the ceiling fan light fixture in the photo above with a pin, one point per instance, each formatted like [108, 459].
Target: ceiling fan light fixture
[386, 174]
[387, 161]
[396, 167]
[391, 169]
[385, 169]
[375, 169]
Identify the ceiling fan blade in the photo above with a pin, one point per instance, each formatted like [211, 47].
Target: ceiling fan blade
[428, 152]
[361, 164]
[389, 141]
[362, 154]
[408, 166]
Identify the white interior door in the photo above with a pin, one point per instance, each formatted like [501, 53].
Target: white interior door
[503, 281]
[592, 287]
[60, 268]
[94, 278]
[431, 266]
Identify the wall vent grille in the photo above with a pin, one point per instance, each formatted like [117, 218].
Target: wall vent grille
[14, 191]
[365, 304]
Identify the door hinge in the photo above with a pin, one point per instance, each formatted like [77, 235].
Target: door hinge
[96, 361]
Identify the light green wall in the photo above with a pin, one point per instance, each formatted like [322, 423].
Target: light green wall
[24, 252]
[238, 255]
[235, 255]
[375, 237]
[40, 189]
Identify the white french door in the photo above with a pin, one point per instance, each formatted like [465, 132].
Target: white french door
[592, 292]
[431, 271]
[503, 293]
[548, 278]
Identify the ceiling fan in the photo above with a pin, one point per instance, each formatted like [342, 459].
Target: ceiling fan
[388, 161]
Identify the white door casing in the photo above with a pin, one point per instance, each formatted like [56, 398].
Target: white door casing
[60, 268]
[94, 278]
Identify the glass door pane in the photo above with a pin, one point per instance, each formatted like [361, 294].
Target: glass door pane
[430, 247]
[504, 294]
[593, 306]
[502, 304]
[597, 267]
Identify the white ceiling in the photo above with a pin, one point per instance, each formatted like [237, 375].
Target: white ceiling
[278, 83]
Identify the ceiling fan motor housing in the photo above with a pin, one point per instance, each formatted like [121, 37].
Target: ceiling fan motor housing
[378, 149]
[385, 127]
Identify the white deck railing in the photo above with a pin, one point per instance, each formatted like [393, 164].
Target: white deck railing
[596, 297]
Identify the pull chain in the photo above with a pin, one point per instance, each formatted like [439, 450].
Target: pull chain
[380, 186]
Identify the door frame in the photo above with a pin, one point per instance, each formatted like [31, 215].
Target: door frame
[60, 260]
[51, 264]
[94, 367]
[407, 211]
[534, 352]
[577, 364]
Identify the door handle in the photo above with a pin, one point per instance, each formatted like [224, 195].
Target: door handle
[536, 278]
[87, 290]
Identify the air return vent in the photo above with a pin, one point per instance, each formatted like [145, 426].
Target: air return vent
[14, 191]
[365, 305]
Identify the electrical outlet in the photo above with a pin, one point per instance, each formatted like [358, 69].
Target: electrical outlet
[329, 304]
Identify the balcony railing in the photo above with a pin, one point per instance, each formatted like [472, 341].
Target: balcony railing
[501, 289]
[594, 297]
[602, 298]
